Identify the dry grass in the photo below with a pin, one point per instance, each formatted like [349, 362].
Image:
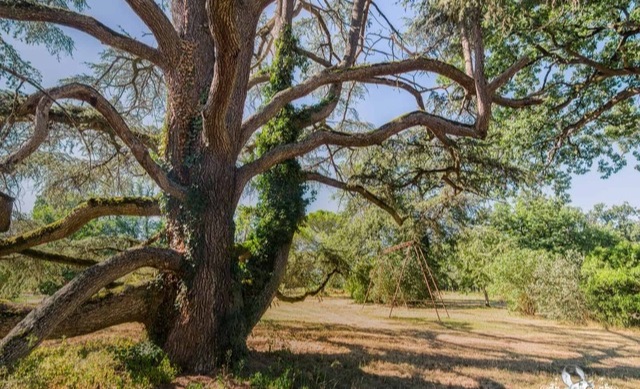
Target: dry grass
[352, 347]
[338, 344]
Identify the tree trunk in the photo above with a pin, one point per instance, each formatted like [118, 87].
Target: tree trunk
[486, 298]
[208, 327]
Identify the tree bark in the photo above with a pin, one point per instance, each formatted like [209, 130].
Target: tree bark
[209, 327]
[42, 321]
[133, 305]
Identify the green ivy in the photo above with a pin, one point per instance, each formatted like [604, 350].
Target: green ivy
[281, 206]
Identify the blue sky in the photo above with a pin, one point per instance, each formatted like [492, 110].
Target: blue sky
[381, 105]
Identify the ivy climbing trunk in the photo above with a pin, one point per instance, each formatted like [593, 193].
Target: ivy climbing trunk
[210, 311]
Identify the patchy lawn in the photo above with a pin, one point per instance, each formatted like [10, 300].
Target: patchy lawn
[343, 345]
[339, 344]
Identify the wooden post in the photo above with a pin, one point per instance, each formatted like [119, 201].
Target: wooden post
[426, 282]
[393, 302]
[6, 208]
[435, 284]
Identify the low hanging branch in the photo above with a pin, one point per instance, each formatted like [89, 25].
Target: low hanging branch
[133, 305]
[58, 258]
[309, 293]
[42, 321]
[81, 215]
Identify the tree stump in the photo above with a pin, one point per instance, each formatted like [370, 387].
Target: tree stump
[6, 207]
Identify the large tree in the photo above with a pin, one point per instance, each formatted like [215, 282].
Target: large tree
[210, 64]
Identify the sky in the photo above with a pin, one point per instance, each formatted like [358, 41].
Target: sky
[381, 105]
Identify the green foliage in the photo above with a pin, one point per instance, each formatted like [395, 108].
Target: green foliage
[316, 252]
[475, 254]
[93, 364]
[540, 223]
[611, 283]
[539, 282]
[281, 206]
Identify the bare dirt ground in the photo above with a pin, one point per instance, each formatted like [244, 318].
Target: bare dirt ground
[354, 347]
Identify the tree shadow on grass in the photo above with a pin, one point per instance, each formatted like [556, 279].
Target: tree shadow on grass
[341, 356]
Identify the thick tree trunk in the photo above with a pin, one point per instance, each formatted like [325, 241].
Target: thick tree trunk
[209, 327]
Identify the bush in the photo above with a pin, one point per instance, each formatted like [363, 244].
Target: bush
[611, 284]
[94, 364]
[538, 282]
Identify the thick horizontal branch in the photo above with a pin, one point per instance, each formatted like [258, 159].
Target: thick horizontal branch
[40, 323]
[33, 12]
[313, 176]
[86, 93]
[309, 293]
[434, 123]
[358, 73]
[81, 215]
[133, 305]
[364, 73]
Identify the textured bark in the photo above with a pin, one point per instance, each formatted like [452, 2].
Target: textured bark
[133, 305]
[209, 325]
[80, 216]
[42, 321]
[6, 208]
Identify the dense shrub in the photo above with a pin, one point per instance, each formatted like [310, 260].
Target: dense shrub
[611, 284]
[539, 282]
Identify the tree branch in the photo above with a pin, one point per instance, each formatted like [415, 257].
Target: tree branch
[57, 258]
[29, 11]
[436, 124]
[309, 293]
[313, 176]
[134, 304]
[364, 73]
[358, 73]
[95, 99]
[81, 215]
[222, 24]
[41, 322]
[153, 16]
[83, 118]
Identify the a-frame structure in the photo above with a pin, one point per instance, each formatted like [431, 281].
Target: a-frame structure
[413, 250]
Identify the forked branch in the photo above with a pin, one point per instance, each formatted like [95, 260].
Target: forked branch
[436, 124]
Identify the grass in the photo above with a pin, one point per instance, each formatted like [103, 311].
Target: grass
[338, 344]
[92, 364]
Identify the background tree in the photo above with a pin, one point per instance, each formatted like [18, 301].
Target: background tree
[211, 104]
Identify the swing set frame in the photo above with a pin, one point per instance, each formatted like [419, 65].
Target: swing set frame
[427, 275]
